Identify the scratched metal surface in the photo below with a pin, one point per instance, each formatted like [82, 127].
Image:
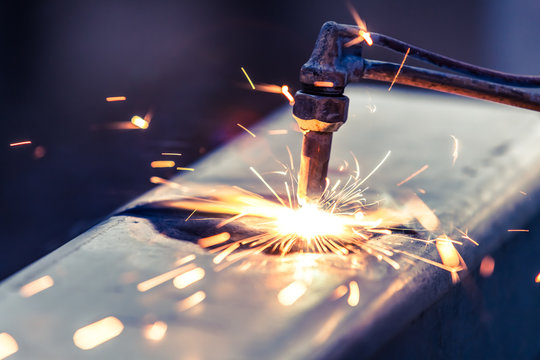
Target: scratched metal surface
[95, 275]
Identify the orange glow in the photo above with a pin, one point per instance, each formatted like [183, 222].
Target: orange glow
[421, 212]
[518, 230]
[249, 132]
[90, 336]
[340, 292]
[269, 88]
[278, 132]
[285, 91]
[450, 256]
[140, 122]
[323, 83]
[363, 34]
[162, 164]
[417, 172]
[160, 279]
[184, 260]
[537, 279]
[247, 77]
[191, 301]
[366, 36]
[20, 143]
[354, 294]
[156, 331]
[399, 69]
[487, 266]
[36, 286]
[214, 240]
[184, 280]
[115, 98]
[185, 169]
[8, 345]
[292, 292]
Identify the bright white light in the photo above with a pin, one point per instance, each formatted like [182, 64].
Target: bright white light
[309, 222]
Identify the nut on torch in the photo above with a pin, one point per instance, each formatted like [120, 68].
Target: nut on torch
[318, 116]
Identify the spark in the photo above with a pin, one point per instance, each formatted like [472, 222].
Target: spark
[247, 130]
[455, 153]
[36, 286]
[465, 235]
[354, 294]
[190, 215]
[342, 222]
[399, 69]
[140, 122]
[450, 257]
[184, 260]
[247, 77]
[185, 169]
[323, 83]
[417, 172]
[156, 331]
[285, 91]
[487, 266]
[421, 191]
[214, 240]
[190, 277]
[115, 98]
[27, 142]
[8, 345]
[171, 154]
[523, 193]
[269, 88]
[292, 292]
[191, 301]
[363, 34]
[537, 278]
[160, 279]
[278, 132]
[95, 334]
[162, 164]
[518, 230]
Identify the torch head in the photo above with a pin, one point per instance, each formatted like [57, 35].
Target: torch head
[318, 116]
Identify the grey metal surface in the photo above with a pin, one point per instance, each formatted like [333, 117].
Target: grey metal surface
[96, 274]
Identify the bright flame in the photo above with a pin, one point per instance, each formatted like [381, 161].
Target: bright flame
[90, 336]
[8, 345]
[309, 222]
[156, 331]
[36, 286]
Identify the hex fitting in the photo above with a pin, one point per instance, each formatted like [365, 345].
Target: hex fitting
[320, 113]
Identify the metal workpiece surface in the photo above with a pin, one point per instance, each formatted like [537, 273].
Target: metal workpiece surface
[96, 274]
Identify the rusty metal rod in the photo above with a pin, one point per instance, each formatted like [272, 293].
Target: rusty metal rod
[449, 83]
[453, 64]
[314, 160]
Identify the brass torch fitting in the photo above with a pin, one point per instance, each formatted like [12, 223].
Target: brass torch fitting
[318, 116]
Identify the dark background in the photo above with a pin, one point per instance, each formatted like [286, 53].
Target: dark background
[180, 60]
